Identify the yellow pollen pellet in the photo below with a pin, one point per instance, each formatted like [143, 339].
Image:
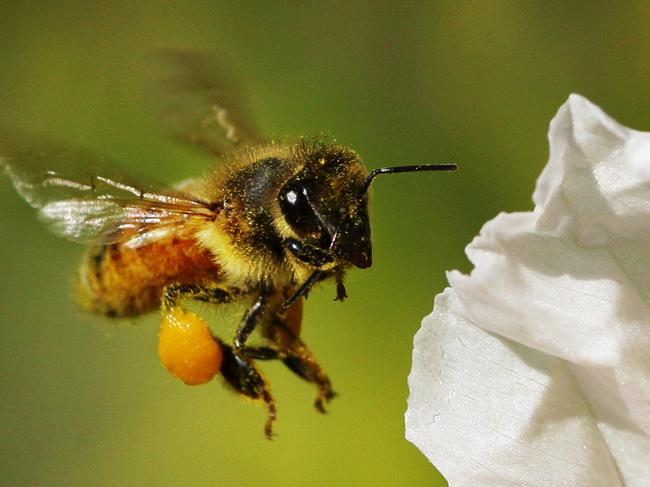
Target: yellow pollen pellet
[187, 349]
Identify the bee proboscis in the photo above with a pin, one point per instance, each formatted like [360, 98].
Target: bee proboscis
[269, 221]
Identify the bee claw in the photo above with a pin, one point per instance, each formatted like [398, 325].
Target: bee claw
[323, 396]
[268, 428]
[318, 404]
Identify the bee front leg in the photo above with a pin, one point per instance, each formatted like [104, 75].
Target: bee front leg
[238, 368]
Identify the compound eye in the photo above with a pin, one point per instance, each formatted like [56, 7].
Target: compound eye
[298, 211]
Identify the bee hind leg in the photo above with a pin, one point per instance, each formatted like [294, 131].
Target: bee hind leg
[240, 373]
[238, 368]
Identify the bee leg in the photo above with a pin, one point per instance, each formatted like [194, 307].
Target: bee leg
[244, 378]
[237, 367]
[302, 362]
[264, 353]
[213, 295]
[239, 370]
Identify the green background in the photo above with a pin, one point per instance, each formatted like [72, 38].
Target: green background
[85, 402]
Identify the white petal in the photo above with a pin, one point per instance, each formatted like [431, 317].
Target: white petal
[572, 278]
[622, 413]
[596, 182]
[549, 293]
[570, 283]
[487, 411]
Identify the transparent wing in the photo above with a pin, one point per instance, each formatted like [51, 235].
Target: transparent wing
[86, 199]
[200, 102]
[104, 221]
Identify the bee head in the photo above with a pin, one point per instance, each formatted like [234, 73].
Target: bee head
[325, 206]
[324, 210]
[299, 208]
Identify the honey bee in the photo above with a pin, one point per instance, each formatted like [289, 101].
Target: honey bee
[267, 223]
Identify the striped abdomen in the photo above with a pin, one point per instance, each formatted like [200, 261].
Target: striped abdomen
[116, 280]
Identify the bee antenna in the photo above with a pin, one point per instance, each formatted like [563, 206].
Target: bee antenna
[401, 169]
[393, 170]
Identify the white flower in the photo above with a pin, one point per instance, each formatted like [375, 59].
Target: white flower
[535, 368]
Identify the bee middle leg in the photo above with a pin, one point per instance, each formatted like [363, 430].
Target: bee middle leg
[173, 293]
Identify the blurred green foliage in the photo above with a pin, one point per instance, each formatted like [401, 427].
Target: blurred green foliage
[85, 402]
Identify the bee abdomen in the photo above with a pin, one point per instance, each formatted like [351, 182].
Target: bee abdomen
[116, 280]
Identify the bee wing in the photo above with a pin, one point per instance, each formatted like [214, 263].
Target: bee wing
[104, 221]
[86, 199]
[200, 103]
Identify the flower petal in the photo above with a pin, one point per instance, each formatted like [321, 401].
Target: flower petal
[622, 413]
[572, 278]
[547, 292]
[487, 411]
[597, 181]
[567, 401]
